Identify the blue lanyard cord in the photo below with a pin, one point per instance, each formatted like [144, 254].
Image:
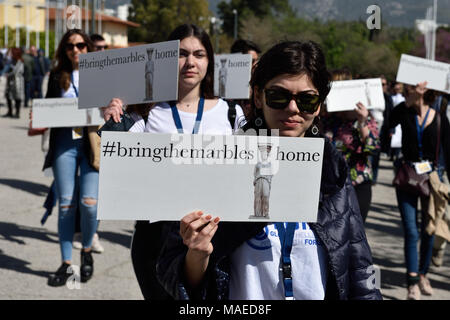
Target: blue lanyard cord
[420, 132]
[73, 85]
[198, 119]
[286, 239]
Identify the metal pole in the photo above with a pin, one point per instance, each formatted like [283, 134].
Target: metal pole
[433, 36]
[18, 6]
[86, 16]
[47, 27]
[64, 26]
[6, 27]
[57, 21]
[99, 31]
[94, 9]
[27, 28]
[37, 30]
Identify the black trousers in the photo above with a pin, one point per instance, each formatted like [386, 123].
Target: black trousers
[147, 242]
[364, 195]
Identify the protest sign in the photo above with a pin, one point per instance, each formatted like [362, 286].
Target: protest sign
[413, 70]
[232, 75]
[140, 74]
[344, 95]
[154, 177]
[63, 112]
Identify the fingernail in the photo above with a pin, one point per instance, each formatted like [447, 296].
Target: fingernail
[208, 217]
[216, 220]
[199, 213]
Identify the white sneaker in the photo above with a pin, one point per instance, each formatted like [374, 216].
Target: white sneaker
[96, 246]
[76, 243]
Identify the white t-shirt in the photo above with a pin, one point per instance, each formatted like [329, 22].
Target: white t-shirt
[214, 120]
[70, 93]
[255, 267]
[397, 99]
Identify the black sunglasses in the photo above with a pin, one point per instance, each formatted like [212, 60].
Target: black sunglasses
[280, 98]
[101, 47]
[79, 45]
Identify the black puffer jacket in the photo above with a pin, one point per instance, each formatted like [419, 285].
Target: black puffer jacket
[339, 227]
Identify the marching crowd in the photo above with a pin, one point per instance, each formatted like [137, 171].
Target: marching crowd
[200, 257]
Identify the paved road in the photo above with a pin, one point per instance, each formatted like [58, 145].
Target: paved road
[29, 251]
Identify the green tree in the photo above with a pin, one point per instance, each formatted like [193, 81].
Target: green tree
[247, 8]
[159, 17]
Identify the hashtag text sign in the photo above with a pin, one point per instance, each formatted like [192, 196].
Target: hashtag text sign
[63, 112]
[139, 74]
[163, 177]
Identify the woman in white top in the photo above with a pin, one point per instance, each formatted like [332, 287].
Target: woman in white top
[195, 89]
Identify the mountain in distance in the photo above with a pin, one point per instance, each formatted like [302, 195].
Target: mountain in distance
[393, 12]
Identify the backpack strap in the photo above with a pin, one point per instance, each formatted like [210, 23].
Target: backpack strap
[232, 113]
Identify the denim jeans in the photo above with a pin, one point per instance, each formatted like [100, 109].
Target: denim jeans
[407, 204]
[75, 182]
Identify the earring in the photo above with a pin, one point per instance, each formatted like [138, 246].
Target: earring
[315, 130]
[258, 122]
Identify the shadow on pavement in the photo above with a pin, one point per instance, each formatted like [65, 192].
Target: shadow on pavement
[385, 209]
[18, 265]
[119, 238]
[389, 230]
[13, 232]
[31, 187]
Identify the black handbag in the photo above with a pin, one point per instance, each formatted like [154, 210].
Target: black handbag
[408, 180]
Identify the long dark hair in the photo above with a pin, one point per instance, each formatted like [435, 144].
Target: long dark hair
[63, 66]
[290, 58]
[192, 30]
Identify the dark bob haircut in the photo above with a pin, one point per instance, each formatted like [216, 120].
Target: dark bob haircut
[191, 30]
[291, 58]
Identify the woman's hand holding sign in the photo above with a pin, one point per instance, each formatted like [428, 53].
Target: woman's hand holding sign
[114, 110]
[197, 231]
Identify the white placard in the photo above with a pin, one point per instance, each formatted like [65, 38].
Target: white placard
[140, 74]
[344, 95]
[232, 75]
[63, 112]
[413, 70]
[146, 176]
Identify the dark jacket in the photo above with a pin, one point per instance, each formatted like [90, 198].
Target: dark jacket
[54, 91]
[405, 116]
[339, 227]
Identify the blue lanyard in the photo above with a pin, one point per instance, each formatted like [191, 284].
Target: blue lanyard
[73, 85]
[177, 120]
[286, 239]
[420, 133]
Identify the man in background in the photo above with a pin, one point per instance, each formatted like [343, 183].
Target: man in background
[38, 73]
[99, 42]
[28, 62]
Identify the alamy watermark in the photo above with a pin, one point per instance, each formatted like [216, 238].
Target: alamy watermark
[374, 20]
[374, 280]
[72, 15]
[73, 282]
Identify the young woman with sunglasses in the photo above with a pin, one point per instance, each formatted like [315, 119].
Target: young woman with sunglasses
[196, 101]
[203, 259]
[69, 154]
